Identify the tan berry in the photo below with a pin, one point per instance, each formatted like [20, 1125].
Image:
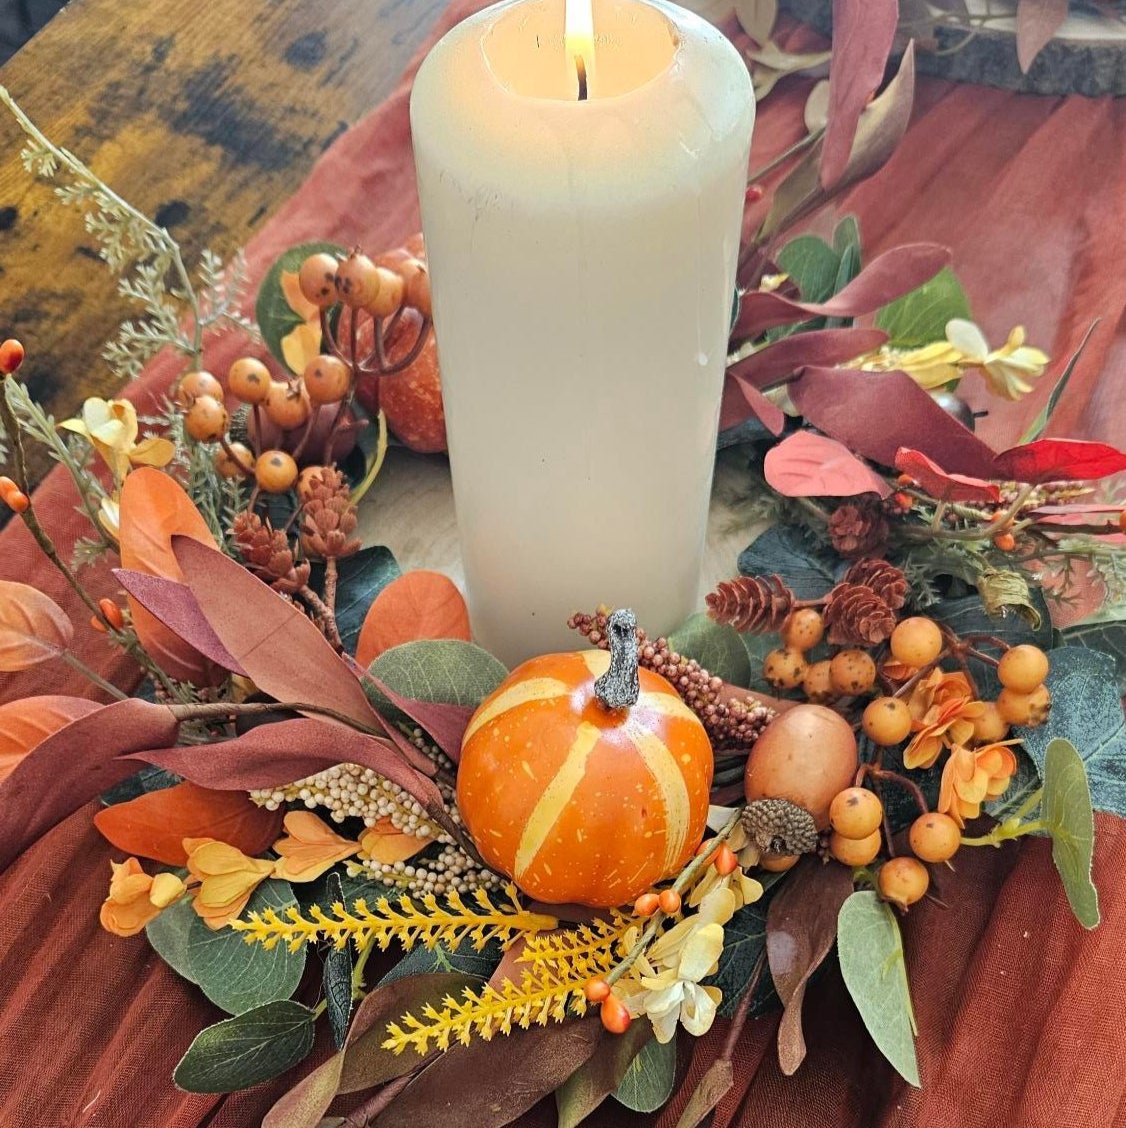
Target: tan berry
[934, 837]
[192, 385]
[852, 672]
[903, 881]
[854, 851]
[803, 629]
[990, 726]
[235, 462]
[327, 379]
[206, 420]
[784, 668]
[1023, 668]
[388, 296]
[275, 471]
[249, 380]
[288, 404]
[669, 900]
[646, 905]
[317, 279]
[817, 684]
[1028, 709]
[916, 641]
[856, 813]
[887, 720]
[778, 863]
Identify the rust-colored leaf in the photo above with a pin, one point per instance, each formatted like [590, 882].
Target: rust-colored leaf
[25, 724]
[801, 928]
[33, 627]
[74, 765]
[279, 647]
[413, 606]
[1037, 22]
[1053, 460]
[741, 400]
[155, 824]
[154, 509]
[805, 464]
[939, 484]
[821, 347]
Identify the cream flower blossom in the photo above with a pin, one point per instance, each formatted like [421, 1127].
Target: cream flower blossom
[111, 427]
[1007, 369]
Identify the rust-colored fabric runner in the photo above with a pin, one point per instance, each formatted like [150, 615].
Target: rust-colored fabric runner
[1019, 1010]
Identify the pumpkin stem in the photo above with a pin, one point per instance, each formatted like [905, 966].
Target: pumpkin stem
[619, 687]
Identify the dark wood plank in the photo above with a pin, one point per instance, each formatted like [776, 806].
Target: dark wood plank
[205, 116]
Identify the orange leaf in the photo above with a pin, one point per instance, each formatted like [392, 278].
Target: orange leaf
[33, 627]
[415, 605]
[383, 843]
[24, 724]
[155, 824]
[154, 509]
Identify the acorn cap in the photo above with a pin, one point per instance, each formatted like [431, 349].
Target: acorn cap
[777, 826]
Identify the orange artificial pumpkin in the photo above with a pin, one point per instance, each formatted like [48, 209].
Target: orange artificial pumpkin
[585, 779]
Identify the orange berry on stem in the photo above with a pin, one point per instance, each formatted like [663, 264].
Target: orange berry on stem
[903, 881]
[990, 726]
[903, 501]
[97, 624]
[357, 281]
[192, 385]
[778, 863]
[852, 671]
[916, 641]
[206, 420]
[856, 813]
[615, 1016]
[784, 668]
[11, 356]
[1023, 668]
[596, 990]
[317, 279]
[18, 502]
[669, 900]
[275, 471]
[725, 860]
[817, 684]
[288, 404]
[388, 296]
[854, 851]
[417, 291]
[327, 379]
[1005, 542]
[646, 905]
[112, 613]
[886, 720]
[1025, 708]
[249, 380]
[236, 460]
[803, 629]
[934, 837]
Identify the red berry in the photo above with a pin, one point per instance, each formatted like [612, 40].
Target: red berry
[11, 356]
[754, 193]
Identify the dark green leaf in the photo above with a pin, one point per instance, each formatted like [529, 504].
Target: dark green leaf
[848, 269]
[783, 550]
[148, 779]
[447, 671]
[464, 960]
[1038, 425]
[238, 976]
[599, 1076]
[1068, 817]
[360, 578]
[812, 266]
[719, 649]
[169, 935]
[247, 1049]
[648, 1082]
[870, 949]
[744, 941]
[1021, 787]
[1087, 711]
[846, 236]
[337, 976]
[919, 318]
[272, 312]
[1107, 637]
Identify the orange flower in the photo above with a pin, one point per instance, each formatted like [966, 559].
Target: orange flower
[135, 898]
[310, 849]
[973, 775]
[942, 709]
[226, 879]
[384, 843]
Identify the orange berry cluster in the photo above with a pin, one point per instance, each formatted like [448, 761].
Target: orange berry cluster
[849, 672]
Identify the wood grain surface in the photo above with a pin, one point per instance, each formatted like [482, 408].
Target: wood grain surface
[206, 116]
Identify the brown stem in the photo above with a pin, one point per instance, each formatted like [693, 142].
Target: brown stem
[331, 576]
[327, 337]
[919, 674]
[256, 444]
[739, 1020]
[885, 775]
[386, 368]
[981, 656]
[325, 614]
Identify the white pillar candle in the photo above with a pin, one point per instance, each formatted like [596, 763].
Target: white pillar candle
[582, 257]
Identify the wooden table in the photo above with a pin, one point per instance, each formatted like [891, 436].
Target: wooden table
[205, 116]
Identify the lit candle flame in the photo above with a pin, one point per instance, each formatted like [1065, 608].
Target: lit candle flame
[578, 37]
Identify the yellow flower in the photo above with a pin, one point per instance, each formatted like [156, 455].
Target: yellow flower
[971, 776]
[135, 898]
[1007, 369]
[930, 367]
[943, 710]
[111, 427]
[304, 342]
[311, 848]
[226, 877]
[109, 514]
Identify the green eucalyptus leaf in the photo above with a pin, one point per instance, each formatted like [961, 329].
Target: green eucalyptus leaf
[245, 1050]
[919, 318]
[783, 550]
[170, 933]
[272, 312]
[360, 578]
[1087, 712]
[848, 269]
[718, 648]
[1067, 815]
[465, 960]
[1024, 784]
[447, 671]
[149, 778]
[238, 976]
[648, 1082]
[846, 235]
[870, 949]
[337, 974]
[812, 266]
[1107, 636]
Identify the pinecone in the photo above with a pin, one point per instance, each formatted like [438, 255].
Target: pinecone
[859, 528]
[857, 616]
[730, 722]
[329, 517]
[266, 552]
[751, 603]
[777, 826]
[885, 579]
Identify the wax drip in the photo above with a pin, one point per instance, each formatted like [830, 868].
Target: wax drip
[619, 687]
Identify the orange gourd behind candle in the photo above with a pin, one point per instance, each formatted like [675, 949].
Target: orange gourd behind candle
[584, 778]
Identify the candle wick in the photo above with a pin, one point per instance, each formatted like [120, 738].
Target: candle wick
[580, 67]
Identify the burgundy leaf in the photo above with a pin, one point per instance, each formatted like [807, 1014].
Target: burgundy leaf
[801, 928]
[940, 485]
[281, 650]
[876, 413]
[709, 1091]
[282, 753]
[1059, 460]
[863, 31]
[820, 347]
[74, 765]
[894, 273]
[1037, 22]
[446, 724]
[174, 605]
[809, 465]
[1099, 518]
[742, 400]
